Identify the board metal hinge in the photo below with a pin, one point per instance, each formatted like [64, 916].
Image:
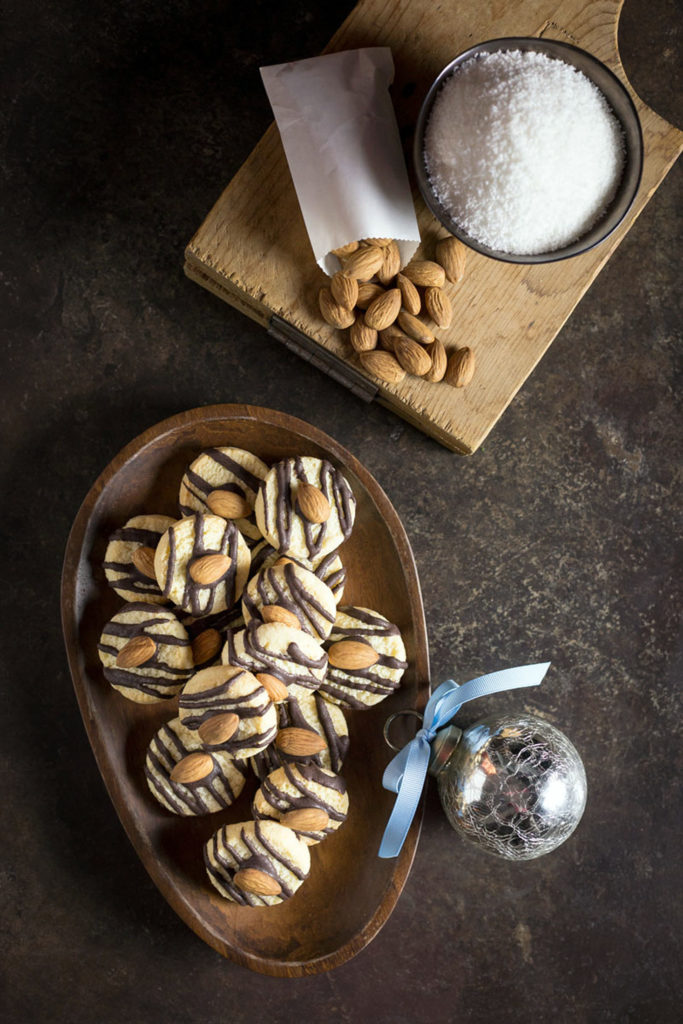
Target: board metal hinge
[312, 352]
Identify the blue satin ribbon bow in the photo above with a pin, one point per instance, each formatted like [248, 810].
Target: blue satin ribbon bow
[405, 774]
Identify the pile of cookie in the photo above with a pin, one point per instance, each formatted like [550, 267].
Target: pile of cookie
[234, 608]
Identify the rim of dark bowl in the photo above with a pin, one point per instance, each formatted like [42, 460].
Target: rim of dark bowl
[621, 105]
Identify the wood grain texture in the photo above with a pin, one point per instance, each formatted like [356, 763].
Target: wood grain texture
[253, 249]
[350, 892]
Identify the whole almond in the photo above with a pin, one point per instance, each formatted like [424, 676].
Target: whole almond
[274, 687]
[228, 504]
[438, 305]
[451, 253]
[362, 337]
[331, 311]
[258, 882]
[383, 365]
[276, 613]
[218, 728]
[414, 328]
[381, 242]
[299, 742]
[460, 369]
[192, 768]
[313, 503]
[425, 273]
[206, 646]
[344, 289]
[439, 362]
[391, 263]
[383, 310]
[143, 560]
[209, 569]
[364, 263]
[410, 296]
[136, 652]
[306, 819]
[367, 291]
[388, 337]
[352, 654]
[345, 250]
[412, 357]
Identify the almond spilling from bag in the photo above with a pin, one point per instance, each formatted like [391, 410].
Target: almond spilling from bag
[451, 253]
[352, 654]
[299, 742]
[412, 357]
[383, 310]
[439, 362]
[364, 263]
[306, 819]
[410, 296]
[438, 306]
[206, 646]
[136, 652]
[383, 365]
[391, 263]
[380, 242]
[344, 289]
[274, 687]
[332, 312]
[345, 250]
[218, 728]
[460, 369]
[192, 768]
[209, 569]
[258, 882]
[425, 274]
[313, 503]
[276, 613]
[143, 560]
[362, 337]
[228, 504]
[367, 291]
[414, 328]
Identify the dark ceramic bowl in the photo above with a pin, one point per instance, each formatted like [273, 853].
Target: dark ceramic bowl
[622, 107]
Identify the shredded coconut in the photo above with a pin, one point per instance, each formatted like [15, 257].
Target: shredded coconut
[523, 151]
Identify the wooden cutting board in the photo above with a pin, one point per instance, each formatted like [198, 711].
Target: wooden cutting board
[253, 251]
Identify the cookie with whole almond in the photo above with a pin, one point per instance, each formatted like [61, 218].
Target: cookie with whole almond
[329, 568]
[129, 558]
[145, 652]
[228, 709]
[256, 863]
[288, 656]
[305, 508]
[188, 780]
[202, 564]
[328, 743]
[287, 593]
[310, 800]
[224, 481]
[367, 658]
[209, 633]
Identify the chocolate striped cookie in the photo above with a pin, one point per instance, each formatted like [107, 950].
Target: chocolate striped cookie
[310, 800]
[224, 481]
[129, 558]
[329, 568]
[366, 659]
[287, 593]
[228, 709]
[290, 655]
[256, 863]
[313, 713]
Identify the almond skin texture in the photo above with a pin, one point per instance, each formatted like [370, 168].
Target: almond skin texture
[344, 289]
[192, 768]
[228, 505]
[383, 310]
[209, 569]
[460, 369]
[412, 357]
[383, 365]
[345, 250]
[391, 264]
[299, 742]
[439, 362]
[451, 253]
[218, 729]
[306, 819]
[425, 274]
[259, 882]
[276, 613]
[136, 652]
[380, 242]
[331, 312]
[206, 646]
[387, 338]
[367, 291]
[364, 263]
[410, 296]
[414, 328]
[438, 305]
[313, 503]
[351, 654]
[362, 337]
[274, 687]
[143, 560]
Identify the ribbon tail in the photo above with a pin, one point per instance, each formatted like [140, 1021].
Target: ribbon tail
[409, 793]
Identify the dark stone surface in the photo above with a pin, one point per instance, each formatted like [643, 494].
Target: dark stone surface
[121, 125]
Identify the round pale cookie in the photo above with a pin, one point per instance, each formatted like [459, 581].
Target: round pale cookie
[285, 590]
[211, 699]
[182, 555]
[314, 713]
[329, 568]
[219, 777]
[208, 634]
[157, 659]
[283, 522]
[362, 686]
[121, 563]
[291, 655]
[310, 800]
[256, 863]
[226, 471]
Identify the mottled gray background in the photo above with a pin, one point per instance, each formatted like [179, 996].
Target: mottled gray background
[121, 124]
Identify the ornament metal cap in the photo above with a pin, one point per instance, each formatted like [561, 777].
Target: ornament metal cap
[443, 745]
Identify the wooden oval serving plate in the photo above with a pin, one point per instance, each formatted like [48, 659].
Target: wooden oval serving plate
[350, 892]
